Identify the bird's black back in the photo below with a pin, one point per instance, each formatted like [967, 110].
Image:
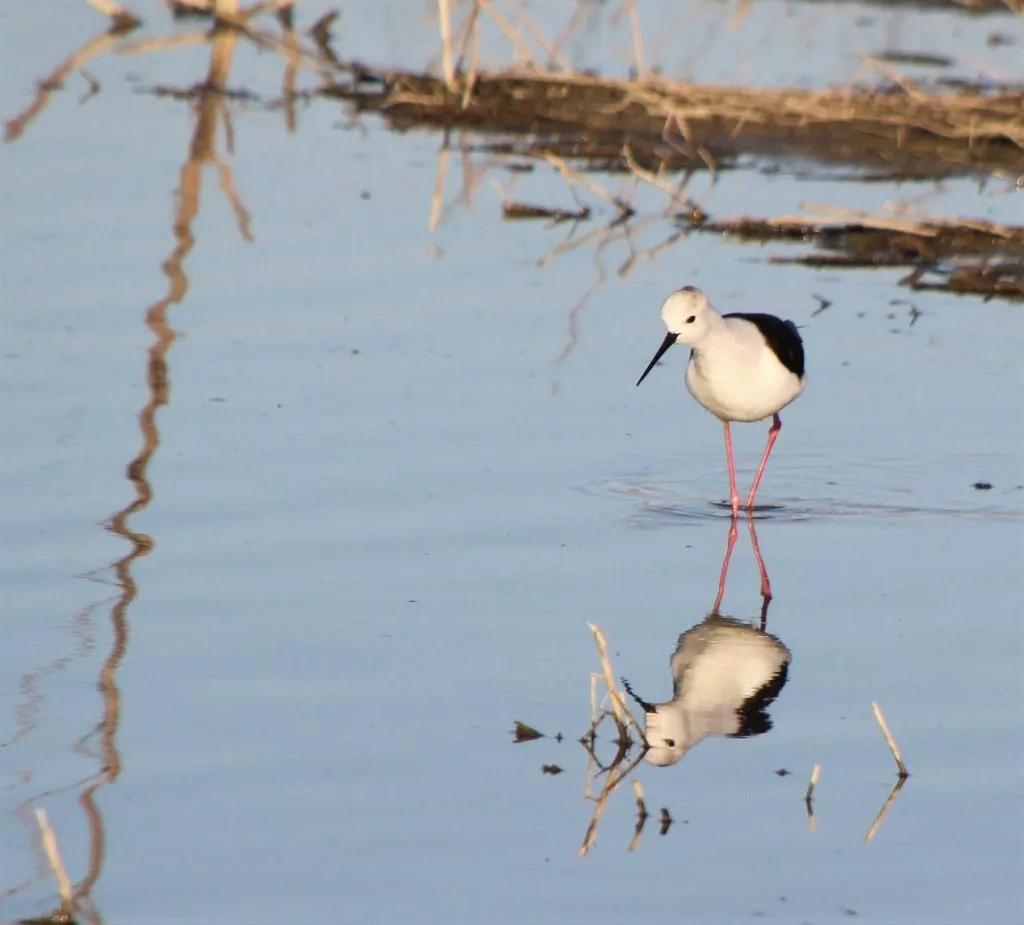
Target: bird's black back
[782, 337]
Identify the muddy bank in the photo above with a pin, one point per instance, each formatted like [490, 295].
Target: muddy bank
[902, 132]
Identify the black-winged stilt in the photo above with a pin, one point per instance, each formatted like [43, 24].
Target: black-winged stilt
[725, 675]
[743, 367]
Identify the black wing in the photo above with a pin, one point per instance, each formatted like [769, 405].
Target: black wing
[782, 338]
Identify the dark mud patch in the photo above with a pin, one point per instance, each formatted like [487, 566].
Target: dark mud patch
[900, 132]
[968, 257]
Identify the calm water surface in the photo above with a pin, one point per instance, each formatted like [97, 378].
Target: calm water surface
[296, 527]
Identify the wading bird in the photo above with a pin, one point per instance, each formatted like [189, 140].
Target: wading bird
[743, 367]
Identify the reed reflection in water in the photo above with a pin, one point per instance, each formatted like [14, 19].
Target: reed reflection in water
[100, 742]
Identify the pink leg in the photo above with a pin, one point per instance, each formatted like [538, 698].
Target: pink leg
[773, 433]
[725, 565]
[734, 496]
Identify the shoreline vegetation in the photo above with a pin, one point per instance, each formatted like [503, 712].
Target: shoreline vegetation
[534, 111]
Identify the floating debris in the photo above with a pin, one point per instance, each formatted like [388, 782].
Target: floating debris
[524, 733]
[518, 211]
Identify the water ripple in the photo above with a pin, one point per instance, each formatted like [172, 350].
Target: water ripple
[660, 503]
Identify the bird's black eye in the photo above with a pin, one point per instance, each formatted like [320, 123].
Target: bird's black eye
[671, 743]
[691, 319]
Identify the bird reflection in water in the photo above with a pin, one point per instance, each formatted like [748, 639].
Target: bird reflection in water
[725, 675]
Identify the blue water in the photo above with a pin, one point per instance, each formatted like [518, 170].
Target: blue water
[394, 474]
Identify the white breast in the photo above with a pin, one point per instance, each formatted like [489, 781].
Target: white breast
[738, 378]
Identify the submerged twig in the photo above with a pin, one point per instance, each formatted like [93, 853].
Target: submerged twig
[641, 815]
[900, 781]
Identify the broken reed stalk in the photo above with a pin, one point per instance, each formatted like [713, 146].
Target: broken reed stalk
[510, 32]
[619, 708]
[56, 863]
[573, 177]
[638, 39]
[641, 805]
[890, 741]
[616, 774]
[815, 777]
[444, 13]
[809, 796]
[119, 17]
[880, 818]
[438, 197]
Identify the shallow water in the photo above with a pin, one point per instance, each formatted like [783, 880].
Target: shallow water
[289, 547]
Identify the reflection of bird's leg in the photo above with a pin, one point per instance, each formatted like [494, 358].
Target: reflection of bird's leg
[725, 561]
[766, 588]
[773, 433]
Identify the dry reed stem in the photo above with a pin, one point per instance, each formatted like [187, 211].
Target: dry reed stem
[444, 13]
[510, 32]
[269, 6]
[242, 215]
[641, 806]
[619, 707]
[290, 77]
[815, 777]
[14, 127]
[638, 39]
[880, 818]
[120, 17]
[294, 53]
[651, 253]
[656, 181]
[906, 84]
[471, 75]
[570, 27]
[470, 33]
[890, 741]
[928, 223]
[538, 36]
[611, 783]
[809, 797]
[438, 197]
[163, 43]
[641, 815]
[56, 862]
[571, 176]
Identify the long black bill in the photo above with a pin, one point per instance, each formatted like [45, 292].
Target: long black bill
[669, 340]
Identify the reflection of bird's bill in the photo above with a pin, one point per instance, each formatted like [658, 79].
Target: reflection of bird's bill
[669, 340]
[645, 705]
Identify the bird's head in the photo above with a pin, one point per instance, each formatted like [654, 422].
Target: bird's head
[687, 314]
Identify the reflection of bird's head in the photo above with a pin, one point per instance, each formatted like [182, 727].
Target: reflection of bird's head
[726, 673]
[665, 733]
